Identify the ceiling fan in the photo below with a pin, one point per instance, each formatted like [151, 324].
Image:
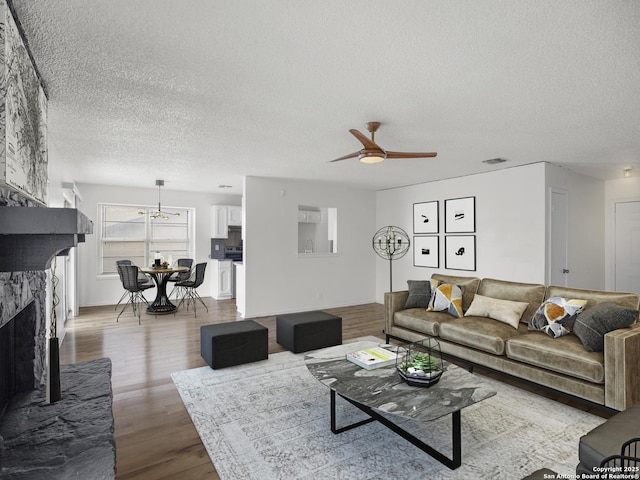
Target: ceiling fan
[372, 153]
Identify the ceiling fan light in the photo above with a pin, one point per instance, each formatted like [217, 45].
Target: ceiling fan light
[372, 157]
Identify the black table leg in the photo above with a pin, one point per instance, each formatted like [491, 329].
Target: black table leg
[161, 304]
[454, 462]
[333, 417]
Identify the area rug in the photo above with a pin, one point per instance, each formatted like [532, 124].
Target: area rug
[270, 420]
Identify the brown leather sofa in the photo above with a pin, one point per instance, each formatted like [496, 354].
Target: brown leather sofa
[610, 378]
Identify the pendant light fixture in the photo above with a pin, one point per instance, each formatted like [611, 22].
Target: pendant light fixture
[159, 212]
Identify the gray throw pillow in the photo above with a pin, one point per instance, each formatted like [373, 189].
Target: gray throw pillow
[592, 324]
[419, 294]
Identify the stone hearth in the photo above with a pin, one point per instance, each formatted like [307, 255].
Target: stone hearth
[72, 438]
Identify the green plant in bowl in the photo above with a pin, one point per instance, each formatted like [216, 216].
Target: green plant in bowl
[421, 361]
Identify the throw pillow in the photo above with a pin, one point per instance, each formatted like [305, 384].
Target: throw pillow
[419, 294]
[505, 311]
[556, 316]
[445, 297]
[592, 324]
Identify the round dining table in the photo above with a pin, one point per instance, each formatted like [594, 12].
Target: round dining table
[160, 275]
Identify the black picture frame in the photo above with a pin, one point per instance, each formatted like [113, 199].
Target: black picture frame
[460, 252]
[426, 251]
[460, 215]
[426, 217]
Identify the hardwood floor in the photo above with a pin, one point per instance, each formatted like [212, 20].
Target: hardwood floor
[155, 438]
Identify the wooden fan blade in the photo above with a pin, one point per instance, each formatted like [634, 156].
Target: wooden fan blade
[351, 155]
[410, 154]
[368, 144]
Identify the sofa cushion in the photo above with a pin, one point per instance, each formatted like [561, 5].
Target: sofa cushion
[445, 297]
[556, 316]
[592, 324]
[506, 311]
[421, 320]
[481, 333]
[564, 355]
[419, 294]
[593, 297]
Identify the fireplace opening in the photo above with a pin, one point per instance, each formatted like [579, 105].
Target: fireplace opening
[17, 355]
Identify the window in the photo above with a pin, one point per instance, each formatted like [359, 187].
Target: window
[127, 234]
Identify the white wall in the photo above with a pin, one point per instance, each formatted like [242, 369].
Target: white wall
[510, 225]
[106, 289]
[60, 172]
[586, 226]
[623, 189]
[278, 280]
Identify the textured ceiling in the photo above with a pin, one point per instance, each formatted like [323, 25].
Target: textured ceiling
[202, 92]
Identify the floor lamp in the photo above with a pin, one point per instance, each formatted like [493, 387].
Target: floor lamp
[391, 243]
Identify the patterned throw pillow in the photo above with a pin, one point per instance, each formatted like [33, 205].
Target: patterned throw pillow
[556, 316]
[445, 297]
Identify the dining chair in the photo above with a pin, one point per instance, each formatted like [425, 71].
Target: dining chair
[129, 276]
[190, 288]
[143, 279]
[181, 276]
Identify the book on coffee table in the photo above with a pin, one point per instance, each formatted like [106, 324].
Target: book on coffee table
[374, 357]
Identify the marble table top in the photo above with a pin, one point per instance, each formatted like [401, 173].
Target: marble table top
[384, 390]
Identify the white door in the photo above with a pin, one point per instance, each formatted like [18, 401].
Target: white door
[559, 244]
[627, 247]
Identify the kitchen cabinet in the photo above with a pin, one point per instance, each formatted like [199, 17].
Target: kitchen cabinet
[235, 216]
[221, 279]
[309, 216]
[219, 221]
[222, 217]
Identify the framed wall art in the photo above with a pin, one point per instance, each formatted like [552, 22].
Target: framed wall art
[426, 251]
[460, 252]
[460, 215]
[425, 217]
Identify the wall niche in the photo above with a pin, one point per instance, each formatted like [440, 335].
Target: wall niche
[317, 230]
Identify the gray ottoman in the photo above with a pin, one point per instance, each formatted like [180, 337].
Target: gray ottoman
[606, 439]
[233, 343]
[301, 332]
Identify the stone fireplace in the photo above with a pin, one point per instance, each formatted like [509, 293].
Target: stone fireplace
[73, 437]
[17, 354]
[22, 333]
[22, 312]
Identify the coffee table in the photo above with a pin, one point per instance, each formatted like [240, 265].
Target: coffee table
[382, 395]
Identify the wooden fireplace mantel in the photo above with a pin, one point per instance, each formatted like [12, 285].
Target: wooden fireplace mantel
[31, 236]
